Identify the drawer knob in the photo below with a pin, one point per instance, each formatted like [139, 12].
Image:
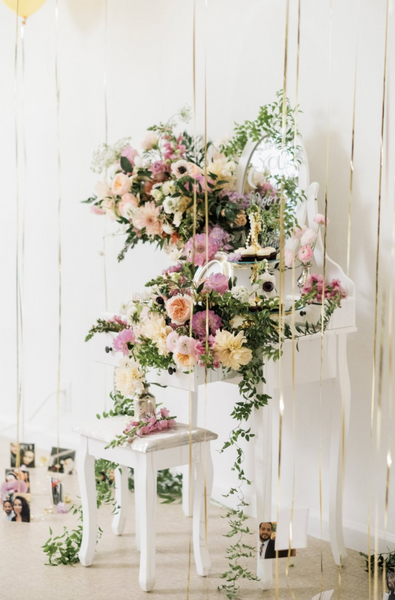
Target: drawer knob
[108, 349]
[302, 313]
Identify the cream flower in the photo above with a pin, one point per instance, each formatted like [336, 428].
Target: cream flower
[168, 188]
[177, 218]
[224, 170]
[150, 141]
[102, 190]
[154, 328]
[230, 349]
[129, 377]
[184, 360]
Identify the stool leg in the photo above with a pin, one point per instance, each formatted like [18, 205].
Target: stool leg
[145, 475]
[187, 482]
[86, 478]
[201, 509]
[122, 498]
[137, 513]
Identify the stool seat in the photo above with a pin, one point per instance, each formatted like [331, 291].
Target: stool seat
[105, 430]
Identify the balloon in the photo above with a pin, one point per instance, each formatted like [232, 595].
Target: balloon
[25, 8]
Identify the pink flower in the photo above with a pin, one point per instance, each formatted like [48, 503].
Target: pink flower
[299, 231]
[62, 508]
[128, 202]
[199, 323]
[305, 254]
[122, 340]
[164, 412]
[171, 341]
[185, 345]
[96, 210]
[288, 258]
[217, 282]
[130, 153]
[320, 219]
[309, 236]
[147, 218]
[159, 167]
[199, 245]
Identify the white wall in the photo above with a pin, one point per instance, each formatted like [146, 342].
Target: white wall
[149, 77]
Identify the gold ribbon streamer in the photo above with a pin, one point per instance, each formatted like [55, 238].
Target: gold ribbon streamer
[350, 200]
[17, 257]
[377, 277]
[192, 297]
[323, 286]
[59, 225]
[293, 315]
[281, 286]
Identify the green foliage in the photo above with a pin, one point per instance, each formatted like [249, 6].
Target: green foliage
[386, 559]
[268, 123]
[103, 326]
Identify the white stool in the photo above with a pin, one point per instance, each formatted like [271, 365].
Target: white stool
[146, 455]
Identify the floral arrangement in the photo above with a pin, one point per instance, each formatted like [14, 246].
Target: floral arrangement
[149, 424]
[152, 194]
[304, 241]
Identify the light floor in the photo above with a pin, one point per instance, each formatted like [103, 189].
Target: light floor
[114, 574]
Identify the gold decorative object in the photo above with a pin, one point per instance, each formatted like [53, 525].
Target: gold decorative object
[67, 499]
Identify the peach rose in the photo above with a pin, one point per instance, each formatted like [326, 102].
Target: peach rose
[179, 309]
[184, 360]
[121, 184]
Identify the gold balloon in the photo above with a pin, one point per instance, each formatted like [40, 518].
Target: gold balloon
[25, 8]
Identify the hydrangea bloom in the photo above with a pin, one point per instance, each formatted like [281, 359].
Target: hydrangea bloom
[197, 246]
[199, 323]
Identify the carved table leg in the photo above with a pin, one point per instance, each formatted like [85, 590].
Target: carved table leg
[341, 414]
[86, 478]
[145, 475]
[201, 509]
[122, 498]
[187, 485]
[263, 480]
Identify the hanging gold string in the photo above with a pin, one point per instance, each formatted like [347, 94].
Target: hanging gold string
[17, 257]
[207, 307]
[323, 288]
[59, 227]
[22, 261]
[350, 199]
[293, 341]
[281, 286]
[377, 274]
[192, 296]
[105, 8]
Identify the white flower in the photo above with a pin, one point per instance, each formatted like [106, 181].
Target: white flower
[129, 377]
[174, 253]
[168, 228]
[156, 193]
[102, 190]
[268, 283]
[241, 293]
[171, 205]
[237, 322]
[154, 328]
[231, 350]
[177, 218]
[180, 168]
[168, 188]
[150, 141]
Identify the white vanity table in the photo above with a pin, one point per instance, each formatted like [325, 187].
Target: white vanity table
[308, 360]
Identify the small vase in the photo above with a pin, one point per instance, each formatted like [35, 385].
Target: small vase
[304, 276]
[144, 404]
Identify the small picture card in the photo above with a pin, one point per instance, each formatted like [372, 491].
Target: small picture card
[16, 507]
[21, 474]
[27, 455]
[62, 462]
[298, 534]
[267, 546]
[56, 490]
[324, 595]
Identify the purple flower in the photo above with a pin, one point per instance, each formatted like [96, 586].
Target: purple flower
[199, 245]
[122, 339]
[62, 508]
[159, 167]
[217, 282]
[173, 269]
[220, 237]
[199, 323]
[234, 257]
[242, 202]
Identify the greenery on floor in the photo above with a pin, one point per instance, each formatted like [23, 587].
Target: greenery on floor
[386, 559]
[63, 549]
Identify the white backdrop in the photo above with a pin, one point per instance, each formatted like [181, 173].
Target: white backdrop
[149, 77]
